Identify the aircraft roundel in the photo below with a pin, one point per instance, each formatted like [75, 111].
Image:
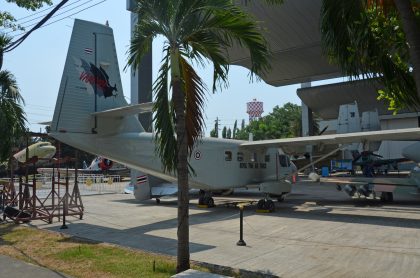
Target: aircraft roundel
[197, 155]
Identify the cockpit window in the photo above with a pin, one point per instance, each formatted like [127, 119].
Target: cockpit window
[284, 160]
[228, 155]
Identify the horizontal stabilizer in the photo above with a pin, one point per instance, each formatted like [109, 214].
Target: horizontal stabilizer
[165, 189]
[45, 123]
[126, 110]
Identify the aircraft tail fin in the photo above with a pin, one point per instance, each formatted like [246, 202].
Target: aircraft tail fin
[91, 83]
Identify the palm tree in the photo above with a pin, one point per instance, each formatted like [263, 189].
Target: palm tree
[411, 29]
[364, 38]
[12, 116]
[196, 31]
[4, 41]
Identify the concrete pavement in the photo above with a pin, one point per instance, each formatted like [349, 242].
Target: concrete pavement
[13, 268]
[316, 232]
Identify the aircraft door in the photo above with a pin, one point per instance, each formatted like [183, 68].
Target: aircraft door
[283, 166]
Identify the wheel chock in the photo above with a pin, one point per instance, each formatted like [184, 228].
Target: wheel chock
[263, 211]
[202, 206]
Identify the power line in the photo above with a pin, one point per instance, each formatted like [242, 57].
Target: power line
[30, 20]
[64, 12]
[17, 42]
[67, 16]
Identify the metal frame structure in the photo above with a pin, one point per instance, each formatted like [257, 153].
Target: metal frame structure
[25, 205]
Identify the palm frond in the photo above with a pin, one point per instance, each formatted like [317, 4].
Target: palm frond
[368, 44]
[165, 139]
[12, 115]
[214, 27]
[195, 92]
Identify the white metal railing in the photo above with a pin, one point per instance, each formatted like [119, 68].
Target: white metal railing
[91, 183]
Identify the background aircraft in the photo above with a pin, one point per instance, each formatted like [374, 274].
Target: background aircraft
[41, 150]
[99, 165]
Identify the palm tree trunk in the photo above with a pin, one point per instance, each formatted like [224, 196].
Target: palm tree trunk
[412, 33]
[183, 257]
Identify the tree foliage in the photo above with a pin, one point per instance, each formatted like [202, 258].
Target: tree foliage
[283, 122]
[12, 116]
[7, 20]
[368, 41]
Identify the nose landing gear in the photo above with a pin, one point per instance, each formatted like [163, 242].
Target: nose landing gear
[205, 199]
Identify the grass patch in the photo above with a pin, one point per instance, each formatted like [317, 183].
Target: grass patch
[80, 258]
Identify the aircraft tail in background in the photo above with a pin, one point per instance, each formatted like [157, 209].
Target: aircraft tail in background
[90, 84]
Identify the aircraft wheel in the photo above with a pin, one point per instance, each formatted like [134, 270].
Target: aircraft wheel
[201, 201]
[280, 198]
[201, 193]
[261, 204]
[157, 201]
[270, 205]
[387, 197]
[210, 202]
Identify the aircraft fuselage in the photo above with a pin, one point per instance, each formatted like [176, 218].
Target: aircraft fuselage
[218, 163]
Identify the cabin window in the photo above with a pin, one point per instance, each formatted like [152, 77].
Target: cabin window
[228, 156]
[240, 156]
[267, 158]
[284, 160]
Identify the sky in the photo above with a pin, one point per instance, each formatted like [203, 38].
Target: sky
[38, 64]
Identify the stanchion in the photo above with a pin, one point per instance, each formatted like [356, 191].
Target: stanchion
[241, 241]
[65, 203]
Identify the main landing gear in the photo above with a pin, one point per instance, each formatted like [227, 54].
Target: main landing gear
[205, 199]
[387, 197]
[266, 204]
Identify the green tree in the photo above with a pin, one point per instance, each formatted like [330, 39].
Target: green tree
[281, 123]
[4, 41]
[12, 116]
[215, 132]
[7, 20]
[194, 31]
[376, 39]
[224, 131]
[235, 127]
[229, 133]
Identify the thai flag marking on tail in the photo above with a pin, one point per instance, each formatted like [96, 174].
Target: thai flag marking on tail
[141, 179]
[88, 50]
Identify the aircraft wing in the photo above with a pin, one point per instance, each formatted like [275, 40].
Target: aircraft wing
[126, 110]
[408, 134]
[383, 181]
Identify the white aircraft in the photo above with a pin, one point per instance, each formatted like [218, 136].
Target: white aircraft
[41, 150]
[98, 165]
[91, 114]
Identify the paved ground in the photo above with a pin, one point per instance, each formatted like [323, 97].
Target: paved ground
[12, 268]
[316, 232]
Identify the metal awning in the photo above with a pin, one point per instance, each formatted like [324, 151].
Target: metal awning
[293, 32]
[324, 100]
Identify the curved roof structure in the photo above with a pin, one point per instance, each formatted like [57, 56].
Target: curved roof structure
[324, 100]
[292, 30]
